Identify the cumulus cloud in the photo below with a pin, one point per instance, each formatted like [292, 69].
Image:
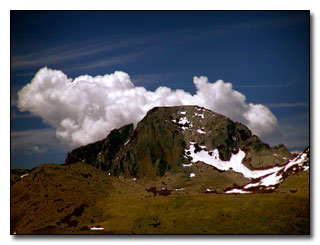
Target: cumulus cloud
[87, 108]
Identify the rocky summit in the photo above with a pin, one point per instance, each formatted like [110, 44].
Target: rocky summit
[169, 137]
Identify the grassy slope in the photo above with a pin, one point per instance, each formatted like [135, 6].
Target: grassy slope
[55, 199]
[208, 213]
[283, 212]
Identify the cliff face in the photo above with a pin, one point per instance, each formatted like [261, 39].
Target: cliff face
[163, 137]
[101, 153]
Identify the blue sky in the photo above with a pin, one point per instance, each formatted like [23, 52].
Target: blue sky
[264, 54]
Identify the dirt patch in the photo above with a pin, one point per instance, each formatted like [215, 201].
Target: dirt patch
[162, 192]
[77, 212]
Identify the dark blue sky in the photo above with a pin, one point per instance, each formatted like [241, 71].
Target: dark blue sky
[264, 54]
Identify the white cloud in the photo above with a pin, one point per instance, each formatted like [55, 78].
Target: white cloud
[85, 109]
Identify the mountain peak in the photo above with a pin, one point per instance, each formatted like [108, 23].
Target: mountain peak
[167, 137]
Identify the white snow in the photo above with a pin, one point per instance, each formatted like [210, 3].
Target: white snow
[23, 175]
[127, 142]
[208, 189]
[182, 112]
[198, 115]
[201, 131]
[247, 186]
[271, 179]
[298, 160]
[96, 228]
[237, 191]
[180, 189]
[183, 120]
[187, 164]
[192, 175]
[235, 162]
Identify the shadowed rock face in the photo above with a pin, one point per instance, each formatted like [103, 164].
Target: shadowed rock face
[159, 142]
[101, 153]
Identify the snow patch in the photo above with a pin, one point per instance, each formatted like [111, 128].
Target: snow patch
[235, 163]
[299, 159]
[269, 181]
[201, 131]
[96, 228]
[192, 175]
[250, 185]
[183, 120]
[183, 123]
[22, 176]
[187, 164]
[198, 115]
[265, 179]
[239, 191]
[182, 112]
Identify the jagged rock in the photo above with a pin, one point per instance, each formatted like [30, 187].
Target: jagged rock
[161, 138]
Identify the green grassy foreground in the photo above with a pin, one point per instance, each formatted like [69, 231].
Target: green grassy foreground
[277, 213]
[55, 199]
